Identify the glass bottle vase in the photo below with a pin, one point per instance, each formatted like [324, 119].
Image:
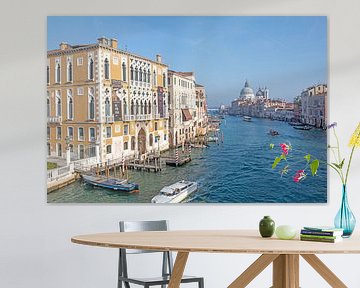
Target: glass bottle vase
[345, 219]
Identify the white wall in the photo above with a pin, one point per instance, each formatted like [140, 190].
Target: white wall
[35, 248]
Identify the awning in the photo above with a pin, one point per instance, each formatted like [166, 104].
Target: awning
[186, 114]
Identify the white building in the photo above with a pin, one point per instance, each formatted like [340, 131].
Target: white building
[182, 107]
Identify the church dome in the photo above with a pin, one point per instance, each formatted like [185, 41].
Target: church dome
[247, 92]
[260, 93]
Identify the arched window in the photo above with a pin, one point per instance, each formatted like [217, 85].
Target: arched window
[131, 73]
[48, 74]
[48, 106]
[148, 76]
[145, 108]
[141, 108]
[124, 71]
[57, 72]
[132, 108]
[132, 142]
[107, 106]
[106, 68]
[136, 74]
[149, 106]
[151, 140]
[91, 69]
[164, 80]
[137, 107]
[154, 78]
[70, 103]
[58, 105]
[91, 107]
[155, 110]
[125, 108]
[140, 75]
[69, 72]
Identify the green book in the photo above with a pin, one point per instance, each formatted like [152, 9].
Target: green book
[319, 236]
[325, 240]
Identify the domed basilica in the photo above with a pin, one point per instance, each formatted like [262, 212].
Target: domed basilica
[247, 93]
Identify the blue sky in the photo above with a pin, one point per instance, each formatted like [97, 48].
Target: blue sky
[286, 54]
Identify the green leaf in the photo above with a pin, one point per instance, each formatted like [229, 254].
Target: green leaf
[342, 164]
[314, 167]
[336, 165]
[276, 162]
[283, 156]
[272, 146]
[307, 157]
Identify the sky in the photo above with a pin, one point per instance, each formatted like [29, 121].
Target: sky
[284, 53]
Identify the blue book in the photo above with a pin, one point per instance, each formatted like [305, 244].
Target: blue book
[322, 231]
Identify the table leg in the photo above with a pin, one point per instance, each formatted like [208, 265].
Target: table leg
[324, 271]
[178, 270]
[253, 270]
[286, 271]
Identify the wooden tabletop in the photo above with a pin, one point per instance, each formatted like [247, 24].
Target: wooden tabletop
[220, 241]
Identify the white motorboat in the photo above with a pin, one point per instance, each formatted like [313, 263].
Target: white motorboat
[176, 192]
[247, 118]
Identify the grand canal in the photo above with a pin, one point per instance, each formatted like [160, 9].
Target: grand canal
[235, 171]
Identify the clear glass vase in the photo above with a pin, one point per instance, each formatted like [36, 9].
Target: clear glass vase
[345, 219]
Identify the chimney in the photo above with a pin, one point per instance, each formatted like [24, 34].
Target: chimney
[103, 40]
[158, 58]
[114, 43]
[64, 46]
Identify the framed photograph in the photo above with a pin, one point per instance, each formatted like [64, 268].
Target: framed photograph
[203, 109]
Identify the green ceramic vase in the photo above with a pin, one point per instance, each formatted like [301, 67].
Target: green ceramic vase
[267, 227]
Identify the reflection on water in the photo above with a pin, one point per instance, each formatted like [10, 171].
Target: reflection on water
[236, 171]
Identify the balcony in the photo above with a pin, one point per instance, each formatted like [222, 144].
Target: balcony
[129, 117]
[54, 119]
[143, 117]
[157, 116]
[109, 119]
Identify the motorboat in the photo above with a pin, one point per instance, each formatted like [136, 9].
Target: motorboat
[111, 183]
[296, 124]
[176, 192]
[247, 118]
[306, 127]
[273, 132]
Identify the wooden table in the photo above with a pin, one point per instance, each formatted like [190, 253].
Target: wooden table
[284, 254]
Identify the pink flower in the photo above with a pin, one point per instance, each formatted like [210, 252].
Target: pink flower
[285, 148]
[300, 175]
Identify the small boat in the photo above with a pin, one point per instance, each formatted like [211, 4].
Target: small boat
[176, 192]
[247, 118]
[111, 183]
[213, 139]
[198, 146]
[306, 127]
[273, 132]
[296, 124]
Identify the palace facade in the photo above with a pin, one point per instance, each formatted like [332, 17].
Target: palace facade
[313, 105]
[105, 102]
[182, 109]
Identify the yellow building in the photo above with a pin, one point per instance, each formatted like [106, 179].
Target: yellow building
[105, 102]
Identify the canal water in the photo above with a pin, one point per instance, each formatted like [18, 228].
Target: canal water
[235, 171]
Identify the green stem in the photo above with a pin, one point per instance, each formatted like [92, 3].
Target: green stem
[351, 155]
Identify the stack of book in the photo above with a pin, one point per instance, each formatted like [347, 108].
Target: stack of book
[321, 234]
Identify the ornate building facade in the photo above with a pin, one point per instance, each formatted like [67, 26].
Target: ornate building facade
[313, 105]
[105, 102]
[182, 109]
